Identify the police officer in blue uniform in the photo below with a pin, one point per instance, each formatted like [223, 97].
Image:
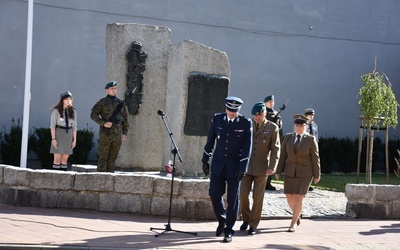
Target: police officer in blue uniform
[232, 133]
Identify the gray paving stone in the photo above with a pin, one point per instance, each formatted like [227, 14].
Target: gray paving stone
[317, 203]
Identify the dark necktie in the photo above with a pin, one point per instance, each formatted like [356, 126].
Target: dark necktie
[229, 123]
[66, 120]
[257, 127]
[311, 131]
[296, 144]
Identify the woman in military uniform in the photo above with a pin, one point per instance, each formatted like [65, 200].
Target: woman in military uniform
[300, 158]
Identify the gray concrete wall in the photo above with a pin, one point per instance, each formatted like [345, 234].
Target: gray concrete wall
[373, 201]
[125, 192]
[271, 47]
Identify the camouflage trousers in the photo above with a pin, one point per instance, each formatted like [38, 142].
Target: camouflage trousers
[108, 148]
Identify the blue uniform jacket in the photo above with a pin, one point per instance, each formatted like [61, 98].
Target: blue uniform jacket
[233, 144]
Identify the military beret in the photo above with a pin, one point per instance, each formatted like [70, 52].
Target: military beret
[65, 94]
[110, 84]
[309, 111]
[269, 98]
[258, 108]
[300, 119]
[233, 103]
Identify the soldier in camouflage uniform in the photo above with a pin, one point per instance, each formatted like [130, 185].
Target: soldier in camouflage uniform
[275, 117]
[272, 114]
[110, 113]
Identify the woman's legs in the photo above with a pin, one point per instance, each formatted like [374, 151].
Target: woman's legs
[60, 161]
[64, 159]
[57, 159]
[295, 202]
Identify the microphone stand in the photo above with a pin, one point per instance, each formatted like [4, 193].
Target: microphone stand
[175, 152]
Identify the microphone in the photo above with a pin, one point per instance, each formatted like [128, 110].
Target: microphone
[160, 112]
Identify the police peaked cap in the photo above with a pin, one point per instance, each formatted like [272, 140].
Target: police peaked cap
[111, 84]
[233, 103]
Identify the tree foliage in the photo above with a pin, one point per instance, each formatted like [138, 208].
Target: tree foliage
[377, 101]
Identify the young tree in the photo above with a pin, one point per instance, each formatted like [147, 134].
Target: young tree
[378, 106]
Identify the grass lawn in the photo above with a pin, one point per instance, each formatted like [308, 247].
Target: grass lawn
[337, 182]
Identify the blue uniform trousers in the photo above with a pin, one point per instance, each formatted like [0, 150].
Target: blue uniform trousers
[216, 192]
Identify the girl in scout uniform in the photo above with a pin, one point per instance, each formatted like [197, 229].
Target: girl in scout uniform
[63, 128]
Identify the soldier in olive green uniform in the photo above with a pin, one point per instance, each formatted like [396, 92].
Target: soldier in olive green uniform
[263, 161]
[110, 113]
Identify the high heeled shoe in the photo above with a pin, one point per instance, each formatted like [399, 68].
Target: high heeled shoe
[291, 230]
[299, 219]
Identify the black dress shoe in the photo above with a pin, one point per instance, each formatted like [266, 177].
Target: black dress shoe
[220, 229]
[251, 231]
[244, 226]
[227, 238]
[270, 187]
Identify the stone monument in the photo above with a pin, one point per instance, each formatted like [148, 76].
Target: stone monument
[188, 81]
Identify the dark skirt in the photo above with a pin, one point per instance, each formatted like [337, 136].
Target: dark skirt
[64, 142]
[296, 185]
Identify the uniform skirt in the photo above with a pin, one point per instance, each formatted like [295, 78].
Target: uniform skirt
[64, 142]
[296, 185]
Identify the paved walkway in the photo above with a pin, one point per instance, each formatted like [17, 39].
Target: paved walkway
[318, 203]
[324, 227]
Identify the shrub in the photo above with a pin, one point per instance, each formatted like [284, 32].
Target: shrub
[340, 154]
[394, 145]
[39, 142]
[84, 144]
[347, 155]
[2, 132]
[327, 154]
[10, 145]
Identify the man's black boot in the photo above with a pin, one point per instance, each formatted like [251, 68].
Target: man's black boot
[269, 186]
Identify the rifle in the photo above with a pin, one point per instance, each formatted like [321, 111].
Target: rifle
[115, 118]
[283, 106]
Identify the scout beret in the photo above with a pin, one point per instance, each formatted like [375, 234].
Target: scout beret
[269, 98]
[233, 103]
[110, 84]
[65, 94]
[309, 111]
[300, 119]
[258, 108]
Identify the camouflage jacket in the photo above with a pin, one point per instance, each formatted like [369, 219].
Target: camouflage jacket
[276, 118]
[104, 109]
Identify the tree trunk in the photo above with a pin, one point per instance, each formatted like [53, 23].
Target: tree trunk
[369, 151]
